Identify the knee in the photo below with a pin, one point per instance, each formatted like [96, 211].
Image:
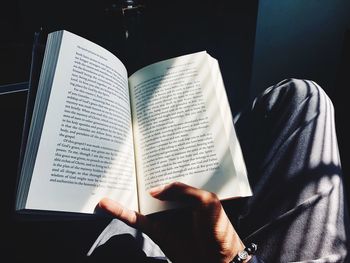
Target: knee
[300, 91]
[299, 87]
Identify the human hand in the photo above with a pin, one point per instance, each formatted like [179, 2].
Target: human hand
[202, 234]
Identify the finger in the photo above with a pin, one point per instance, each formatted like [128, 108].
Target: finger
[130, 217]
[181, 192]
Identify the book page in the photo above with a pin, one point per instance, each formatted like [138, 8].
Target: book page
[242, 182]
[180, 132]
[86, 147]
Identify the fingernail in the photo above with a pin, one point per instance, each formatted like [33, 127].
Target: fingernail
[106, 203]
[156, 190]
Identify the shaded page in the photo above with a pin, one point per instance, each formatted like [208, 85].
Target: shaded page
[86, 145]
[180, 132]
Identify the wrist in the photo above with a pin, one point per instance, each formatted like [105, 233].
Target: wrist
[234, 246]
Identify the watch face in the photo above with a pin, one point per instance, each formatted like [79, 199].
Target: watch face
[243, 254]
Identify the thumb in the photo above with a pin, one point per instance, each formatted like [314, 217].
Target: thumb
[183, 193]
[130, 217]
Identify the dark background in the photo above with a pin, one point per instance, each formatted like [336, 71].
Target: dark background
[257, 43]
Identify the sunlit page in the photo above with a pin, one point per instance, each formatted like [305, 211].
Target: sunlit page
[86, 148]
[241, 172]
[179, 130]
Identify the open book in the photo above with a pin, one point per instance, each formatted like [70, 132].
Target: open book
[96, 132]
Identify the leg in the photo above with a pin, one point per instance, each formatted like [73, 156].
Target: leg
[298, 210]
[125, 244]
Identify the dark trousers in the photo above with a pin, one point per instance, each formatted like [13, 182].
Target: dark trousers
[297, 212]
